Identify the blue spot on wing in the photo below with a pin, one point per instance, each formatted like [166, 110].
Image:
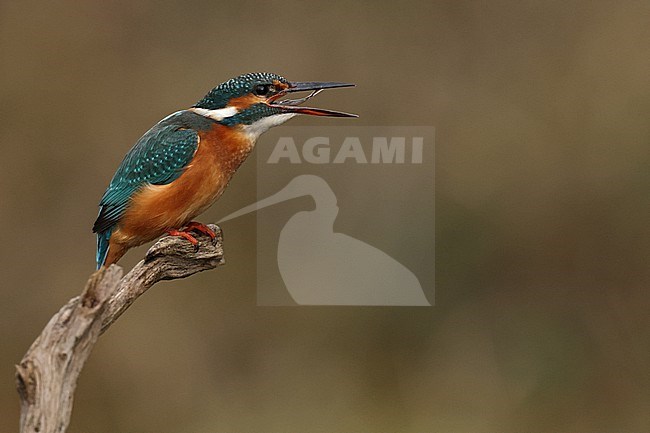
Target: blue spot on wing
[158, 158]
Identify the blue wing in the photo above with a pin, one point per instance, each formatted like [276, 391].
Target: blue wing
[158, 158]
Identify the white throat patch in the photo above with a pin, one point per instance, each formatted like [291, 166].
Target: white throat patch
[254, 130]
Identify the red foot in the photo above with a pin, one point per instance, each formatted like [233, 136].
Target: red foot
[201, 228]
[185, 235]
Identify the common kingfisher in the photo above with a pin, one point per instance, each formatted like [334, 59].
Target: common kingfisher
[178, 168]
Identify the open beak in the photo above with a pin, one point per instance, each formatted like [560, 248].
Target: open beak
[292, 105]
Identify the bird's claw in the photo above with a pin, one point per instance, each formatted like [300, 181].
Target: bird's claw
[196, 227]
[202, 228]
[185, 235]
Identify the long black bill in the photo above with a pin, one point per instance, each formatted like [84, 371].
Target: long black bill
[315, 85]
[291, 105]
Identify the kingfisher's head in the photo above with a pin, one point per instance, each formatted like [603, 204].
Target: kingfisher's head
[255, 102]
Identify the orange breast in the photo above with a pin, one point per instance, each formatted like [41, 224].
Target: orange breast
[158, 208]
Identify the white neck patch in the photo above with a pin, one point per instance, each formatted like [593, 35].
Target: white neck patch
[219, 114]
[253, 130]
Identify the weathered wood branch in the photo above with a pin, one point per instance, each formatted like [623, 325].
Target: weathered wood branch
[46, 377]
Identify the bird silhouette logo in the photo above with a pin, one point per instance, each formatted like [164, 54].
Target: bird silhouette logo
[321, 267]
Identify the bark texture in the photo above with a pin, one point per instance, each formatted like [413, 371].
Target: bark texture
[46, 377]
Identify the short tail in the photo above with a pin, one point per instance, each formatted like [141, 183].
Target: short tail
[102, 246]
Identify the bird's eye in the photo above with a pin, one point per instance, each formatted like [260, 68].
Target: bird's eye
[262, 89]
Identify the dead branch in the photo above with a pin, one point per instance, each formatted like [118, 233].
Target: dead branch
[46, 377]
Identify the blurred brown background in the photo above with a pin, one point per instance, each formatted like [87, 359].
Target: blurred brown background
[541, 112]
